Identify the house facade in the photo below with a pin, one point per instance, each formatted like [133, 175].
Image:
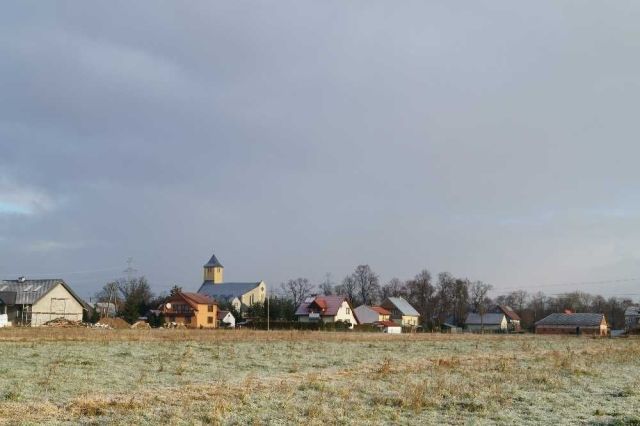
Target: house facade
[513, 319]
[632, 318]
[573, 323]
[401, 311]
[226, 319]
[326, 309]
[35, 302]
[489, 322]
[370, 314]
[192, 310]
[240, 295]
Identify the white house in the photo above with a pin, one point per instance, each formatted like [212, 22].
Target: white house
[632, 318]
[34, 302]
[326, 309]
[226, 319]
[488, 322]
[401, 311]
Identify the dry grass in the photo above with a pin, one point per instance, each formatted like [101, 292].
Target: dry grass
[70, 376]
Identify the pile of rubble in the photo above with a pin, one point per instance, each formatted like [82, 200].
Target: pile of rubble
[64, 323]
[141, 325]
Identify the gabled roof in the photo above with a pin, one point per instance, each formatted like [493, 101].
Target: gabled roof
[222, 314]
[199, 299]
[213, 262]
[192, 299]
[380, 310]
[8, 298]
[400, 304]
[331, 303]
[632, 311]
[510, 313]
[226, 291]
[29, 292]
[574, 320]
[487, 319]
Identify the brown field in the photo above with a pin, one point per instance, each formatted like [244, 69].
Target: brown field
[71, 376]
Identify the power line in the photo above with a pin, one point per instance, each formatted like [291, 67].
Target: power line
[573, 284]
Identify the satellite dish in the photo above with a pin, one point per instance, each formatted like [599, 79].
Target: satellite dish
[168, 305]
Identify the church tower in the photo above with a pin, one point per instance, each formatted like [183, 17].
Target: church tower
[214, 271]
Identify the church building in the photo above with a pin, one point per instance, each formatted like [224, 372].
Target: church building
[241, 295]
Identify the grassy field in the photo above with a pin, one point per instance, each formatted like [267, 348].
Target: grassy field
[242, 377]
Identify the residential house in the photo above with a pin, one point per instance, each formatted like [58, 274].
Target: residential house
[34, 302]
[573, 323]
[192, 310]
[240, 295]
[489, 322]
[326, 309]
[226, 319]
[632, 318]
[401, 311]
[513, 319]
[370, 314]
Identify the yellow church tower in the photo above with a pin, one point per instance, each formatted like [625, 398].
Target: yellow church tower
[214, 271]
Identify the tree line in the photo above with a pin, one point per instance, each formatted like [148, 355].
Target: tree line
[445, 298]
[449, 299]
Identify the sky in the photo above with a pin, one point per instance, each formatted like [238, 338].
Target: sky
[496, 140]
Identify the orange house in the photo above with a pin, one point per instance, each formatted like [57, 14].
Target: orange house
[192, 310]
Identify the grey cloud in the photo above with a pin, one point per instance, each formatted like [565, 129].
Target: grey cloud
[490, 139]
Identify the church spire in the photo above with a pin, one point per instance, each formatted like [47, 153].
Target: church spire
[214, 271]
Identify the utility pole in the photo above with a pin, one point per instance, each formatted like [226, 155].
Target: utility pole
[267, 294]
[130, 269]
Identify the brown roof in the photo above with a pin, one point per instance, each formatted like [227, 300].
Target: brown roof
[222, 314]
[195, 299]
[381, 310]
[328, 304]
[510, 313]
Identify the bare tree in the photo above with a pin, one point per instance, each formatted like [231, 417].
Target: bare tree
[445, 294]
[367, 284]
[297, 290]
[110, 293]
[479, 299]
[394, 288]
[421, 294]
[327, 286]
[347, 288]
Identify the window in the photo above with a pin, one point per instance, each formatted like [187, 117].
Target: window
[348, 311]
[209, 320]
[210, 308]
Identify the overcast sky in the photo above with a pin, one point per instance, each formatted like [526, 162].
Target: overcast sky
[495, 140]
